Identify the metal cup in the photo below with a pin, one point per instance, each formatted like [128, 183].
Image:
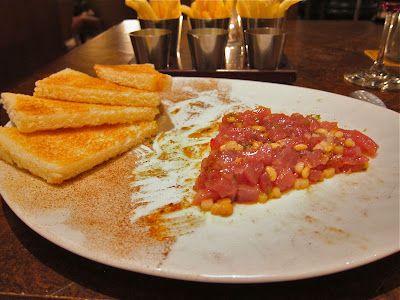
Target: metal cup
[174, 25]
[207, 48]
[265, 47]
[152, 46]
[248, 23]
[209, 23]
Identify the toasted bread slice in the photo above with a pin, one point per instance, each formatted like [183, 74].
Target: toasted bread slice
[75, 86]
[57, 155]
[31, 113]
[141, 76]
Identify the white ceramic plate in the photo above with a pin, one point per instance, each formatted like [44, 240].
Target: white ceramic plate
[335, 225]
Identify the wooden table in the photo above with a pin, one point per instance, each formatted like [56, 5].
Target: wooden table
[30, 266]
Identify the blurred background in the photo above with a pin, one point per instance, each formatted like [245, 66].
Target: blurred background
[35, 32]
[338, 9]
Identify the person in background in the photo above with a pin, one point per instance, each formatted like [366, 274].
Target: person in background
[84, 22]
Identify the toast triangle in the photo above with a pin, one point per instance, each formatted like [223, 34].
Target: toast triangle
[32, 113]
[76, 86]
[61, 154]
[140, 76]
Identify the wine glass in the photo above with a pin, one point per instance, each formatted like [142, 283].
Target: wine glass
[377, 76]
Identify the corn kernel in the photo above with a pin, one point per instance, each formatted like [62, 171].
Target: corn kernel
[258, 128]
[206, 204]
[222, 207]
[226, 209]
[300, 147]
[338, 149]
[275, 192]
[262, 197]
[321, 131]
[329, 172]
[274, 145]
[328, 148]
[231, 145]
[256, 144]
[271, 172]
[301, 183]
[305, 172]
[299, 167]
[349, 142]
[231, 119]
[339, 134]
[215, 208]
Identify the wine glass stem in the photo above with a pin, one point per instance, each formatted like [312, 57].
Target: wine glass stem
[378, 66]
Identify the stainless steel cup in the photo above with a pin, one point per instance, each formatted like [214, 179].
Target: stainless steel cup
[174, 25]
[265, 47]
[152, 46]
[207, 48]
[209, 23]
[248, 23]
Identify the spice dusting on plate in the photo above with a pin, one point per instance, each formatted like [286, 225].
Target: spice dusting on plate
[168, 169]
[96, 207]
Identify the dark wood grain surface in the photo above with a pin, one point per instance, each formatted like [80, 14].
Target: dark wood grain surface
[31, 267]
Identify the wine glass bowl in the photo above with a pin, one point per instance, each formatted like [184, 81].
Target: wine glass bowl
[377, 77]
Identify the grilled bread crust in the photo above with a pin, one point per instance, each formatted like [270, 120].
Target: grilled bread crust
[76, 86]
[140, 76]
[57, 155]
[32, 113]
